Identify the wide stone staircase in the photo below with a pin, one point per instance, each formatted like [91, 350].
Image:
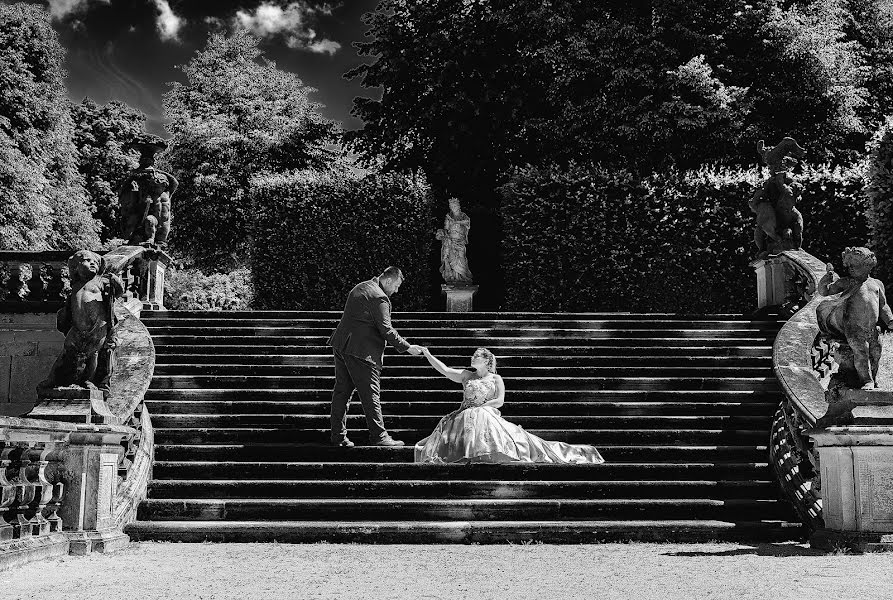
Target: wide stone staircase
[680, 408]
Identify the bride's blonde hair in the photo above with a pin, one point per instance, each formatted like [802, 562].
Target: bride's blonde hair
[486, 355]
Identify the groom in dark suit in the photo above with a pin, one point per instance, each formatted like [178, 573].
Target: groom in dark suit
[358, 344]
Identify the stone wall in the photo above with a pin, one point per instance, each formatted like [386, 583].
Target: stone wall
[29, 344]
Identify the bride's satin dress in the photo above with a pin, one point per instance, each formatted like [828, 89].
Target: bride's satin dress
[478, 433]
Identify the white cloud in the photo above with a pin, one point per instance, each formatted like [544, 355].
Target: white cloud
[324, 47]
[59, 9]
[292, 22]
[167, 22]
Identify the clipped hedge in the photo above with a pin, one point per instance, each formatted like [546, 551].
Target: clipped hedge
[582, 238]
[879, 196]
[317, 235]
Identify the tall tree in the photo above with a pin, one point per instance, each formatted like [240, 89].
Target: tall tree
[469, 92]
[102, 134]
[237, 115]
[42, 200]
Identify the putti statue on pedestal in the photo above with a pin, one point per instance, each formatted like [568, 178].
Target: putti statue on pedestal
[850, 315]
[453, 260]
[88, 321]
[145, 197]
[779, 223]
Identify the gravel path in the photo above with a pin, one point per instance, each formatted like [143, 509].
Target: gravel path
[149, 570]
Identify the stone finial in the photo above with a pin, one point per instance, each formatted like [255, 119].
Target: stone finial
[779, 224]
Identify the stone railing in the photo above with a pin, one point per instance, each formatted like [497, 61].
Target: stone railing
[57, 488]
[801, 359]
[30, 279]
[142, 272]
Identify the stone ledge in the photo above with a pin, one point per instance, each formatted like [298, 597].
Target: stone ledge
[18, 552]
[857, 541]
[86, 542]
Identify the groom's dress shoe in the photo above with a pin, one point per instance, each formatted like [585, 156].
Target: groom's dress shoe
[388, 441]
[345, 443]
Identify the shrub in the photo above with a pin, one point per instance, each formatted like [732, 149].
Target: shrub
[190, 289]
[879, 197]
[316, 235]
[587, 239]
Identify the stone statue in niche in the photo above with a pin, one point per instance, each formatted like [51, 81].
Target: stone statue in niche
[454, 238]
[850, 315]
[145, 197]
[88, 321]
[779, 223]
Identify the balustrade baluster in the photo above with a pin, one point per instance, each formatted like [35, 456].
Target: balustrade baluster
[53, 505]
[21, 526]
[56, 283]
[7, 495]
[43, 492]
[5, 277]
[20, 274]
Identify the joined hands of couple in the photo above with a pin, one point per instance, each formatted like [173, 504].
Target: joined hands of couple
[418, 350]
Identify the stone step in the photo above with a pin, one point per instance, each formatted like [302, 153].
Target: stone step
[455, 488]
[523, 353]
[425, 370]
[410, 320]
[433, 509]
[407, 360]
[300, 382]
[335, 315]
[455, 395]
[409, 422]
[253, 452]
[548, 406]
[486, 532]
[498, 345]
[478, 336]
[342, 471]
[732, 437]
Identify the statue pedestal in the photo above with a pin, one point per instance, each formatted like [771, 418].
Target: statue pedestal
[771, 280]
[857, 487]
[73, 405]
[458, 296]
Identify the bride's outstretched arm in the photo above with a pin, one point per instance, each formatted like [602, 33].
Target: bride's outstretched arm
[499, 400]
[451, 374]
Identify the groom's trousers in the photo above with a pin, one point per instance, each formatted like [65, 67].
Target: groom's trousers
[352, 373]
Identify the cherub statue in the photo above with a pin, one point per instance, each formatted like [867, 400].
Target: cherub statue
[855, 306]
[88, 321]
[145, 197]
[779, 223]
[454, 237]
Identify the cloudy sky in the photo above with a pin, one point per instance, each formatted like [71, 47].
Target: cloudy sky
[129, 49]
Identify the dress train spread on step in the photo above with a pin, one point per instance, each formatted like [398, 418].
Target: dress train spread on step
[476, 433]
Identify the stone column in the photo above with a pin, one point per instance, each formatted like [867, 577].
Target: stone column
[91, 481]
[459, 297]
[856, 463]
[771, 280]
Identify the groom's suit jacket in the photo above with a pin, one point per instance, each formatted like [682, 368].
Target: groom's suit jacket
[366, 324]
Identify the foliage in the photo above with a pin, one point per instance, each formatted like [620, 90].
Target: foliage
[42, 199]
[473, 90]
[236, 116]
[586, 238]
[879, 195]
[318, 234]
[102, 134]
[191, 289]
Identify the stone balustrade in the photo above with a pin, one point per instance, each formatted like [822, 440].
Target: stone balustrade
[34, 278]
[58, 484]
[836, 475]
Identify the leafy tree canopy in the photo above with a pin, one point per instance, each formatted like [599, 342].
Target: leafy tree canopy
[42, 199]
[237, 115]
[468, 92]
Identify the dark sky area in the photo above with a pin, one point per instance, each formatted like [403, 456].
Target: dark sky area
[129, 49]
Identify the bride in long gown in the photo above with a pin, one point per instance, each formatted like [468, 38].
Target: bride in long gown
[476, 432]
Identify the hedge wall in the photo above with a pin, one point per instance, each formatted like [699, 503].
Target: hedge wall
[586, 239]
[879, 196]
[316, 235]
